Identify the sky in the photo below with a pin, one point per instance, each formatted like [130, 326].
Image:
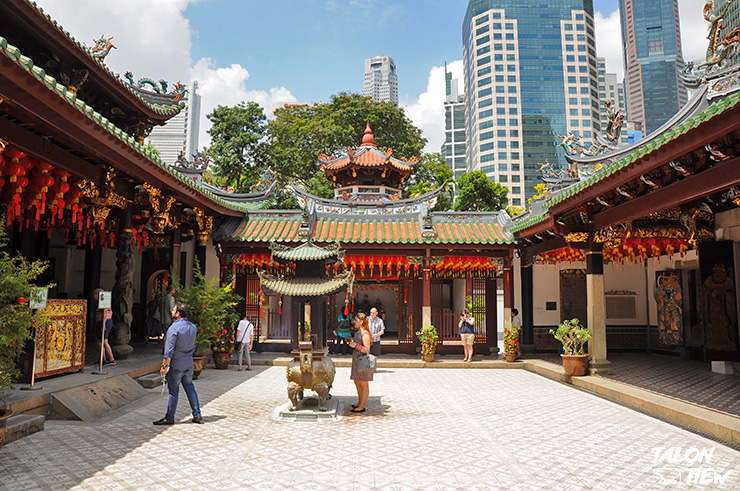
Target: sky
[279, 51]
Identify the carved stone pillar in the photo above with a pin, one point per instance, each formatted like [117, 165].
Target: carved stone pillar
[123, 290]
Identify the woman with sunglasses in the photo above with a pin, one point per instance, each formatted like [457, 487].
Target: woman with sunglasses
[361, 343]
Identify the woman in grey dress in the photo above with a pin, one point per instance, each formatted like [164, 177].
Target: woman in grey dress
[361, 344]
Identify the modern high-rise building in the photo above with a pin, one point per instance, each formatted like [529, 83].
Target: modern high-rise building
[453, 148]
[181, 131]
[381, 81]
[530, 76]
[610, 89]
[651, 48]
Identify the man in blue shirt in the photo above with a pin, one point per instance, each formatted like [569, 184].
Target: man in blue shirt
[178, 364]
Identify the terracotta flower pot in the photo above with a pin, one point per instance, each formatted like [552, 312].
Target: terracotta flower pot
[4, 415]
[221, 360]
[429, 357]
[575, 365]
[510, 357]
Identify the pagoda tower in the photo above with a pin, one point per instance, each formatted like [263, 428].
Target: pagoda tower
[366, 174]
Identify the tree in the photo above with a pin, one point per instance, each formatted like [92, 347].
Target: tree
[431, 172]
[235, 143]
[475, 192]
[17, 286]
[299, 134]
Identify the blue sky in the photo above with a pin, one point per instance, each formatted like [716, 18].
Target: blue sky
[317, 48]
[276, 51]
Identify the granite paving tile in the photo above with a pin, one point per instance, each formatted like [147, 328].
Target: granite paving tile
[424, 430]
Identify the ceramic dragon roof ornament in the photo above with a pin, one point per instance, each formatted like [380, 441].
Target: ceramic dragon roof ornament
[160, 88]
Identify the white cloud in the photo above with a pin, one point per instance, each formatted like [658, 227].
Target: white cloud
[609, 42]
[228, 87]
[427, 112]
[693, 29]
[152, 48]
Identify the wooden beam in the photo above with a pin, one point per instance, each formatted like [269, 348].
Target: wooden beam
[45, 150]
[715, 179]
[549, 245]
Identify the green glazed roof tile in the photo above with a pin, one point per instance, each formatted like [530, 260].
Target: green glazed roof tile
[50, 82]
[668, 136]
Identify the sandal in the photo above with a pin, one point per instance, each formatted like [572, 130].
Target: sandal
[355, 410]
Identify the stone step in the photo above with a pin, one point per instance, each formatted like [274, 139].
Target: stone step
[150, 381]
[22, 425]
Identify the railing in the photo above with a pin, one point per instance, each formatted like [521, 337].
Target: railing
[278, 326]
[446, 324]
[448, 330]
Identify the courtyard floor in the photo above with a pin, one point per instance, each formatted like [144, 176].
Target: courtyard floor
[424, 429]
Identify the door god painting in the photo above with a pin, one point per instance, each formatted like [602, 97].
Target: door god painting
[669, 298]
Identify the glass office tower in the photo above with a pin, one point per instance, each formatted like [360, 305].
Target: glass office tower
[530, 75]
[453, 149]
[651, 47]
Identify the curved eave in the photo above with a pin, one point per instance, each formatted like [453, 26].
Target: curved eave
[304, 287]
[240, 197]
[721, 117]
[88, 129]
[694, 107]
[536, 225]
[61, 40]
[359, 205]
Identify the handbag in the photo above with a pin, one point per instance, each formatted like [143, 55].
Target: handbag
[366, 363]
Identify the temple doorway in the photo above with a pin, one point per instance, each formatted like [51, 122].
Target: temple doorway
[384, 297]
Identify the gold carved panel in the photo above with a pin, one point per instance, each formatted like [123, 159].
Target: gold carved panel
[60, 344]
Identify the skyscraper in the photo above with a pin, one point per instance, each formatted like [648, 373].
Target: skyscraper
[181, 132]
[381, 81]
[530, 75]
[453, 148]
[651, 47]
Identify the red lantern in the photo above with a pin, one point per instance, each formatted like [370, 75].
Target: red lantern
[46, 181]
[15, 170]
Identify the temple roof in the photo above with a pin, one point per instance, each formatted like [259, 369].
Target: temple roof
[304, 287]
[114, 87]
[366, 156]
[485, 229]
[307, 251]
[705, 106]
[151, 159]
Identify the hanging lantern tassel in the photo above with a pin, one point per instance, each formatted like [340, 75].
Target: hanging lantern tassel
[112, 240]
[346, 307]
[280, 305]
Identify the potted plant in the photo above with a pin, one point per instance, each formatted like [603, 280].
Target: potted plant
[511, 343]
[17, 277]
[222, 347]
[428, 339]
[213, 311]
[574, 337]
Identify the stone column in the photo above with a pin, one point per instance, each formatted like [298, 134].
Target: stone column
[175, 251]
[527, 313]
[508, 279]
[426, 297]
[123, 290]
[596, 312]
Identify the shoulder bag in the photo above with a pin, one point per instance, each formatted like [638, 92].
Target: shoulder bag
[366, 362]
